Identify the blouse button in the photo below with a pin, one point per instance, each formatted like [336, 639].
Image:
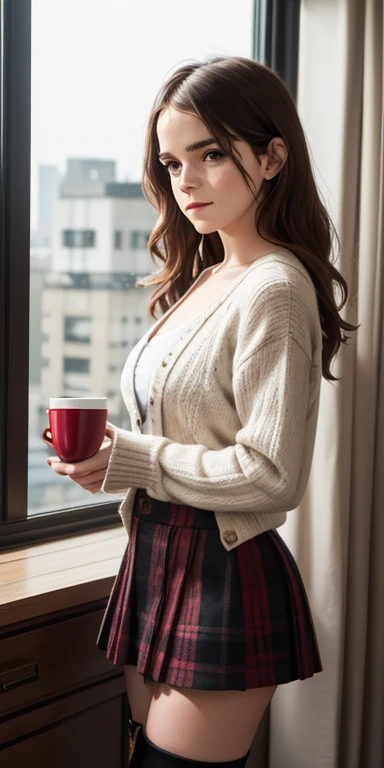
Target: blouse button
[230, 537]
[164, 363]
[138, 422]
[151, 400]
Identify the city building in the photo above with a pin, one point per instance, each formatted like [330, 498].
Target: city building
[49, 191]
[91, 313]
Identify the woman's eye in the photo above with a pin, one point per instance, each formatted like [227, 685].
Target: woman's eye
[170, 166]
[214, 152]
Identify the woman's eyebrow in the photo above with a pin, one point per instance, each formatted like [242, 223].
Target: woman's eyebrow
[192, 147]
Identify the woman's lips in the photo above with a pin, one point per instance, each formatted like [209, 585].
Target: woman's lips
[198, 207]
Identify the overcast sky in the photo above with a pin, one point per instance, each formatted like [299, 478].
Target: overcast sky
[97, 65]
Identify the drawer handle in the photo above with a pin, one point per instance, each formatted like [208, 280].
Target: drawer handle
[28, 673]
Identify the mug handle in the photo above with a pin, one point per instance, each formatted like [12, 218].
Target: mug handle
[45, 437]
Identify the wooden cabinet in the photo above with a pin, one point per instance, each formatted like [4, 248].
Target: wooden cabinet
[62, 703]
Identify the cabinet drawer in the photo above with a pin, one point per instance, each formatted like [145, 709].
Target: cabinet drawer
[43, 662]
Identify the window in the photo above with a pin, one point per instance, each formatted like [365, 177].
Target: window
[77, 329]
[88, 237]
[76, 380]
[64, 187]
[117, 240]
[69, 238]
[139, 239]
[76, 365]
[85, 238]
[135, 239]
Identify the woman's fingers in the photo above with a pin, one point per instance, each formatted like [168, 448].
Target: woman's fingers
[98, 461]
[89, 474]
[76, 475]
[94, 488]
[60, 467]
[81, 468]
[90, 479]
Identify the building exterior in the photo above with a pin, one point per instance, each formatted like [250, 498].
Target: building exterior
[90, 324]
[91, 313]
[103, 233]
[40, 267]
[49, 190]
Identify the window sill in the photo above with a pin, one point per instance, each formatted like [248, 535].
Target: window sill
[60, 574]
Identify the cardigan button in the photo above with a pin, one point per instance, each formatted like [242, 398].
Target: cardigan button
[164, 363]
[144, 504]
[151, 400]
[230, 537]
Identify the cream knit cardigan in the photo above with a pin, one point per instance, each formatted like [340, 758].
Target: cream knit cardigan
[233, 406]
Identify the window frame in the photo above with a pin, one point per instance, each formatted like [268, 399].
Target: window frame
[276, 31]
[275, 43]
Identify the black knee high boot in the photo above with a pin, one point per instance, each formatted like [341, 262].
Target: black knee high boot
[134, 729]
[148, 755]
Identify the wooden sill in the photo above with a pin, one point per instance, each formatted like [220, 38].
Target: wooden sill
[59, 574]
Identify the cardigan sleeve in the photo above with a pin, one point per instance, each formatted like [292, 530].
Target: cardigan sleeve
[260, 472]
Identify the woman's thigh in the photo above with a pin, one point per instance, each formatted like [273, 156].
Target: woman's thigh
[206, 725]
[139, 693]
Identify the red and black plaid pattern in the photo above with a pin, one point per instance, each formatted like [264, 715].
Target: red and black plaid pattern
[188, 613]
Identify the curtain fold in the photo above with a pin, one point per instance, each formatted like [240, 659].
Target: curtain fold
[336, 718]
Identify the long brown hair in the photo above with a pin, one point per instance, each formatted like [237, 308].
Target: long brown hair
[238, 98]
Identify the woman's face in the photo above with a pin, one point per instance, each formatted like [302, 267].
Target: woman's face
[206, 174]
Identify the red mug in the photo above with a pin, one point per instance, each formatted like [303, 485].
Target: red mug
[76, 426]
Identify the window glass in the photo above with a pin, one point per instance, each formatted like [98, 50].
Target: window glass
[118, 239]
[77, 329]
[93, 84]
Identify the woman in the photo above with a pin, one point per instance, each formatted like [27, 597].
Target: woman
[208, 613]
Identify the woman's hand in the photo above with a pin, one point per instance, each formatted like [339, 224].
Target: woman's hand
[89, 473]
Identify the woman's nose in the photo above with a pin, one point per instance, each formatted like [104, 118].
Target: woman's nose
[188, 178]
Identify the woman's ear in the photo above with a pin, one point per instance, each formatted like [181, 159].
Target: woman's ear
[277, 156]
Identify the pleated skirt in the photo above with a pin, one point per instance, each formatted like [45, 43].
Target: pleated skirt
[187, 612]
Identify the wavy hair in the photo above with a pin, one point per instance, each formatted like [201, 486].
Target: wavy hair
[239, 98]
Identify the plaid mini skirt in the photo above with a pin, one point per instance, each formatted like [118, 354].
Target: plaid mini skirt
[187, 612]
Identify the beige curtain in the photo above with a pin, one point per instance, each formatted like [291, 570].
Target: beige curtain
[336, 718]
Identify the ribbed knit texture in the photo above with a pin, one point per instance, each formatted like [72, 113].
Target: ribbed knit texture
[233, 408]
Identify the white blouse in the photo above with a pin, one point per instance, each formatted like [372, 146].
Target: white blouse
[143, 365]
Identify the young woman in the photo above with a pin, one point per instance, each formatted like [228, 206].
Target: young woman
[208, 613]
